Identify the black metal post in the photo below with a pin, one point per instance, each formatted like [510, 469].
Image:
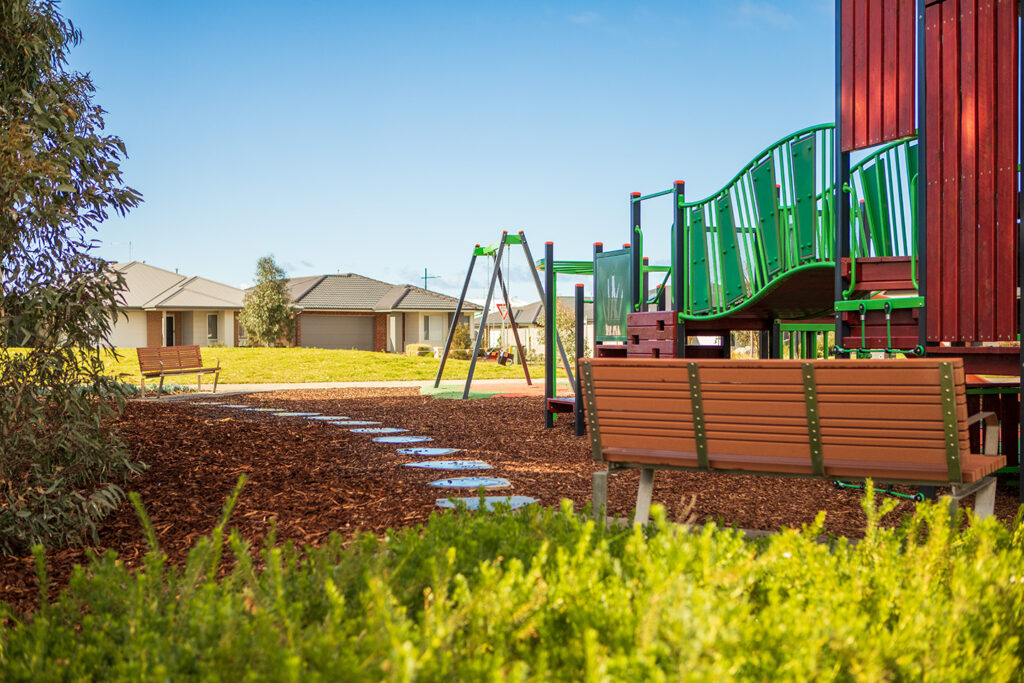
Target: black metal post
[841, 176]
[483, 316]
[922, 181]
[636, 252]
[1020, 304]
[775, 342]
[540, 293]
[455, 320]
[550, 331]
[763, 344]
[598, 248]
[581, 324]
[679, 267]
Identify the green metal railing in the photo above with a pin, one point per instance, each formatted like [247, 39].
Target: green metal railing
[776, 217]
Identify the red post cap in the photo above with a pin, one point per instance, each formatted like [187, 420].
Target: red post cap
[626, 245]
[679, 182]
[634, 194]
[579, 285]
[552, 243]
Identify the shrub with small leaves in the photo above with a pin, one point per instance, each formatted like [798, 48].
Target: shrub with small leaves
[545, 594]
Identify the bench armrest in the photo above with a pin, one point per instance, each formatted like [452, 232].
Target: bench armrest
[993, 429]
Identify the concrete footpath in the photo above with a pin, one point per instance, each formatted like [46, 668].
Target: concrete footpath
[226, 389]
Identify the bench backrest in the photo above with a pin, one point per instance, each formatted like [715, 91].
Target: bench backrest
[171, 357]
[904, 419]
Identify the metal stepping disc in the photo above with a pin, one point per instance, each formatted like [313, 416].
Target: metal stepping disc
[233, 406]
[378, 430]
[402, 439]
[513, 502]
[472, 483]
[427, 451]
[207, 403]
[353, 423]
[294, 414]
[327, 417]
[451, 465]
[266, 410]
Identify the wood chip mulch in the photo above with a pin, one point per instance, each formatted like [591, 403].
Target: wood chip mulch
[316, 478]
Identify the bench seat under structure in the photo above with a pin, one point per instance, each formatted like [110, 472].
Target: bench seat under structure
[164, 361]
[893, 421]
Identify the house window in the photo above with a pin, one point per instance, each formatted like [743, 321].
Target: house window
[426, 326]
[211, 326]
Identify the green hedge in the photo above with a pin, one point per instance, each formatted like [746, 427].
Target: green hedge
[546, 595]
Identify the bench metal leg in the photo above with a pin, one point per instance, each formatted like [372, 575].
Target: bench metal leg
[984, 491]
[199, 383]
[160, 388]
[600, 500]
[643, 496]
[216, 376]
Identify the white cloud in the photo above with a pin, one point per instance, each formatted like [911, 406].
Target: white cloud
[586, 18]
[762, 12]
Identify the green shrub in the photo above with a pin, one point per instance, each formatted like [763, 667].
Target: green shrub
[544, 594]
[419, 350]
[462, 343]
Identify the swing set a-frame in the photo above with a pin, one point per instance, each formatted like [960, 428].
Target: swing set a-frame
[496, 251]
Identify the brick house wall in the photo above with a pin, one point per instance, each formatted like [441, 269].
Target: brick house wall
[380, 332]
[154, 328]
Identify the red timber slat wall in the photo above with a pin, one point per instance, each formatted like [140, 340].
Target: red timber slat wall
[877, 72]
[971, 132]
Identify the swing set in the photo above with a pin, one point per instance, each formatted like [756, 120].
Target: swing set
[495, 252]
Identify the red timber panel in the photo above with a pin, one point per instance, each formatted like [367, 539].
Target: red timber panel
[877, 80]
[971, 122]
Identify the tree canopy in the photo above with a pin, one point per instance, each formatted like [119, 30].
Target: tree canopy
[60, 177]
[267, 314]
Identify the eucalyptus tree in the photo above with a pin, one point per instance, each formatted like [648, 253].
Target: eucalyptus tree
[60, 177]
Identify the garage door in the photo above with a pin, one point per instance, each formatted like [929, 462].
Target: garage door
[337, 331]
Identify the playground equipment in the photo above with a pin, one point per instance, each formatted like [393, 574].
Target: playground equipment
[914, 250]
[495, 252]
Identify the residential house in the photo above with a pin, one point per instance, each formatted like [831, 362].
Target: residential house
[162, 308]
[350, 311]
[530, 325]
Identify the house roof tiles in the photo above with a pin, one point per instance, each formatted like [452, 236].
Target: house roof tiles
[353, 292]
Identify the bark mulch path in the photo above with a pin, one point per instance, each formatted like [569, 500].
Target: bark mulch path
[316, 478]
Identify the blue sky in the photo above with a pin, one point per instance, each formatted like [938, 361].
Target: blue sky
[385, 138]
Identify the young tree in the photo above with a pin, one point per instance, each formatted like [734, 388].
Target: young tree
[267, 314]
[59, 178]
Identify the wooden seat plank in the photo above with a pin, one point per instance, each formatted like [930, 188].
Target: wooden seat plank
[876, 419]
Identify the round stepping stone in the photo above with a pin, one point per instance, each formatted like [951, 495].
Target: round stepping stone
[472, 483]
[207, 403]
[294, 414]
[234, 406]
[327, 417]
[451, 465]
[402, 439]
[378, 430]
[427, 451]
[513, 502]
[265, 410]
[353, 423]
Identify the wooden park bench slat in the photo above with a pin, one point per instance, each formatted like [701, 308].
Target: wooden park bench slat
[164, 361]
[902, 422]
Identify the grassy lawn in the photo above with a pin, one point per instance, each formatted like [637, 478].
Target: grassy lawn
[258, 365]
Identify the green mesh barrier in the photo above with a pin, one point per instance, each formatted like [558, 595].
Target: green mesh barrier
[611, 295]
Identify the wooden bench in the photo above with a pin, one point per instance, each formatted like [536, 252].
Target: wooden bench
[164, 361]
[895, 421]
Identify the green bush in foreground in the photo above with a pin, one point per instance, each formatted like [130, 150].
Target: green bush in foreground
[544, 594]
